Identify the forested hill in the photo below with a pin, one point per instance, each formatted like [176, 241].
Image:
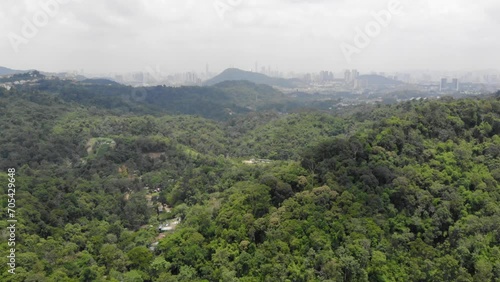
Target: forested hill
[233, 74]
[406, 192]
[220, 101]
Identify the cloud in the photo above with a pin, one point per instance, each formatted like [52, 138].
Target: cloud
[126, 35]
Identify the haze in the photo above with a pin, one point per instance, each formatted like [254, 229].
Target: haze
[289, 35]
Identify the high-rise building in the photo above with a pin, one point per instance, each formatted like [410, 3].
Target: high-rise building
[191, 77]
[351, 75]
[325, 76]
[454, 84]
[355, 74]
[444, 84]
[347, 76]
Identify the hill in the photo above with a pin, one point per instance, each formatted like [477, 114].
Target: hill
[377, 80]
[7, 71]
[100, 81]
[405, 192]
[232, 74]
[219, 102]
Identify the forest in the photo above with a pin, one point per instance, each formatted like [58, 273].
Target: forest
[402, 192]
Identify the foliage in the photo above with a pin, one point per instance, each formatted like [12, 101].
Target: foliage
[406, 192]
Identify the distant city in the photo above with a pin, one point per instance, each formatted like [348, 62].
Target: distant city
[347, 87]
[432, 83]
[347, 80]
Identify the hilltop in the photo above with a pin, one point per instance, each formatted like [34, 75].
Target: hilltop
[258, 78]
[7, 71]
[377, 80]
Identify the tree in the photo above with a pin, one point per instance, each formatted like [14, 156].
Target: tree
[140, 258]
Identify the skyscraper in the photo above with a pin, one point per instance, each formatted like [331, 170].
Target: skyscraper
[347, 76]
[449, 86]
[354, 74]
[454, 84]
[325, 76]
[443, 84]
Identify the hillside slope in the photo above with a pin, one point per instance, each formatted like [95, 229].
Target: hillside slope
[406, 192]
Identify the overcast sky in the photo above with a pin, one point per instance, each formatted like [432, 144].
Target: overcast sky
[101, 36]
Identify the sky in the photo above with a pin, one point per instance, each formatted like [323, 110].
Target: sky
[105, 36]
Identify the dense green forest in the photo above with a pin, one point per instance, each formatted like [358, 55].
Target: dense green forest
[404, 192]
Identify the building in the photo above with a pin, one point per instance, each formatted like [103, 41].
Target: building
[307, 78]
[454, 84]
[325, 76]
[165, 227]
[354, 74]
[351, 75]
[256, 161]
[444, 85]
[347, 76]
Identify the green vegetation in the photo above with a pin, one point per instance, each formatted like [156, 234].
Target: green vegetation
[15, 76]
[99, 146]
[406, 192]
